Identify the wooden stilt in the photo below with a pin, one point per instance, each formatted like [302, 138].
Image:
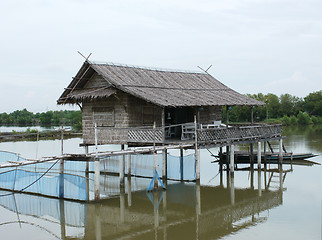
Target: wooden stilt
[232, 159]
[61, 167]
[62, 218]
[87, 163]
[122, 205]
[197, 151]
[251, 155]
[164, 164]
[155, 167]
[280, 154]
[228, 157]
[122, 168]
[128, 162]
[98, 225]
[181, 164]
[129, 191]
[265, 155]
[259, 182]
[259, 155]
[97, 178]
[232, 188]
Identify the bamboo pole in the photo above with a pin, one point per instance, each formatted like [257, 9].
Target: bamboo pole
[96, 168]
[197, 151]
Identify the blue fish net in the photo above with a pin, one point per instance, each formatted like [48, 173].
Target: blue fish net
[45, 178]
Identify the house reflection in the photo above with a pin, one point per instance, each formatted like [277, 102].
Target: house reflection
[184, 210]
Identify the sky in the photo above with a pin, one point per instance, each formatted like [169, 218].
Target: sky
[267, 46]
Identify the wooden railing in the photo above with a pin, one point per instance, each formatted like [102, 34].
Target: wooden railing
[144, 135]
[208, 135]
[239, 133]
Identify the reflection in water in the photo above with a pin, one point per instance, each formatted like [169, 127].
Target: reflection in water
[184, 210]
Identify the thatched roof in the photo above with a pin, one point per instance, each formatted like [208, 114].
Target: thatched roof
[161, 87]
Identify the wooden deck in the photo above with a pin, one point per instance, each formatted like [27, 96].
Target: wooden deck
[207, 136]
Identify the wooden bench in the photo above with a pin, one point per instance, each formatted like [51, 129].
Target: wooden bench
[188, 131]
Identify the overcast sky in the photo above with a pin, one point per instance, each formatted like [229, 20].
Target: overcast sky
[268, 46]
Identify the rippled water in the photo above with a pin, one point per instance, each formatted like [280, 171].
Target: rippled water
[274, 203]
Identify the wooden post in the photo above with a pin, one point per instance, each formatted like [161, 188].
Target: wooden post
[96, 168]
[197, 151]
[232, 188]
[155, 160]
[259, 155]
[265, 156]
[163, 123]
[62, 140]
[251, 155]
[252, 115]
[98, 225]
[259, 182]
[164, 164]
[122, 205]
[129, 192]
[181, 164]
[62, 218]
[227, 157]
[96, 139]
[128, 163]
[61, 167]
[97, 178]
[198, 199]
[280, 154]
[61, 178]
[252, 178]
[232, 159]
[122, 168]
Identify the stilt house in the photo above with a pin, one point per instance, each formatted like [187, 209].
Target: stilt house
[125, 102]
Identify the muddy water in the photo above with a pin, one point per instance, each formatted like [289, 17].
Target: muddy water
[274, 203]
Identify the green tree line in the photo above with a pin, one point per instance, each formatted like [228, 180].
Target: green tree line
[49, 118]
[286, 109]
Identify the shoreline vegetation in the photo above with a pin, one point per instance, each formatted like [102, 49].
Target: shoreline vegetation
[285, 109]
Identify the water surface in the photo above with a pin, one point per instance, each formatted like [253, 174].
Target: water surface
[274, 203]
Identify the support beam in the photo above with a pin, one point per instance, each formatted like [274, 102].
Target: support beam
[232, 158]
[251, 155]
[232, 188]
[61, 167]
[62, 218]
[96, 168]
[164, 165]
[122, 168]
[129, 191]
[280, 153]
[128, 163]
[265, 155]
[122, 205]
[163, 123]
[197, 151]
[259, 172]
[259, 155]
[252, 115]
[87, 163]
[181, 164]
[97, 178]
[155, 167]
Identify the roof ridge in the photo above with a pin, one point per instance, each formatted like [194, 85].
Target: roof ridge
[145, 67]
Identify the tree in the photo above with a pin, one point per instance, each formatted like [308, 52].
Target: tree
[273, 105]
[313, 103]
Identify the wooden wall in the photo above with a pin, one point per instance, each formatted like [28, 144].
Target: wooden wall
[210, 114]
[114, 115]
